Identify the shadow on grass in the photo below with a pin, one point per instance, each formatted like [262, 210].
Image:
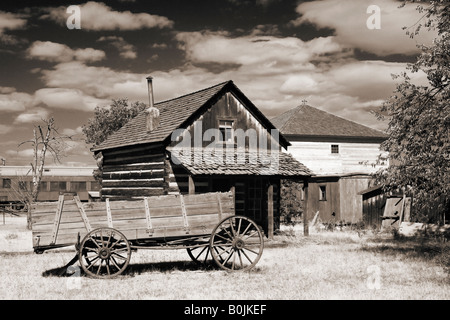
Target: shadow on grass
[142, 268]
[422, 249]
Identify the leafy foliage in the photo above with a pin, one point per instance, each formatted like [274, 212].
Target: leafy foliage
[291, 202]
[419, 118]
[107, 120]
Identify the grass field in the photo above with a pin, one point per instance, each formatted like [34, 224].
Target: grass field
[325, 265]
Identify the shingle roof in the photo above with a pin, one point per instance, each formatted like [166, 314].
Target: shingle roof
[173, 113]
[308, 121]
[235, 162]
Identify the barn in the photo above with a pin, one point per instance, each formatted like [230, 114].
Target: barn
[211, 140]
[342, 154]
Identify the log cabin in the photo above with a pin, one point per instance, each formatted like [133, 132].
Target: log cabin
[342, 154]
[211, 140]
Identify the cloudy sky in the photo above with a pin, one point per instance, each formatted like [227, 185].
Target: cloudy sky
[278, 52]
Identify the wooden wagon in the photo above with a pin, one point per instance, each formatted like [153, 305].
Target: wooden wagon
[106, 233]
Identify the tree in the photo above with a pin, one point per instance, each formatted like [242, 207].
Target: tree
[107, 120]
[419, 118]
[291, 208]
[46, 139]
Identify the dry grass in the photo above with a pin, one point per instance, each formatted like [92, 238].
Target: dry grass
[326, 265]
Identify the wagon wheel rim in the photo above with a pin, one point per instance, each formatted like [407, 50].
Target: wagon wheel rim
[104, 253]
[236, 243]
[200, 255]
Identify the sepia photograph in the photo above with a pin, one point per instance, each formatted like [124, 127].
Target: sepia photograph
[226, 158]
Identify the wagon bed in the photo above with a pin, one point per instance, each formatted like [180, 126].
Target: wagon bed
[105, 233]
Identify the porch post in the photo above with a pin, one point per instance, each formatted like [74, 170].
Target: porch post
[305, 208]
[191, 185]
[270, 211]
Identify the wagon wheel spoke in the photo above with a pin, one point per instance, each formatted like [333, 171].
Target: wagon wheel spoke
[115, 263]
[119, 256]
[92, 263]
[240, 259]
[94, 241]
[107, 267]
[100, 253]
[226, 239]
[199, 255]
[236, 243]
[215, 249]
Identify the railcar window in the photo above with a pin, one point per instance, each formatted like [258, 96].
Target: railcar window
[58, 186]
[22, 185]
[6, 183]
[77, 186]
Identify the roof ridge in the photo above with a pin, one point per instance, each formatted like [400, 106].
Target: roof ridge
[192, 93]
[281, 115]
[345, 119]
[299, 108]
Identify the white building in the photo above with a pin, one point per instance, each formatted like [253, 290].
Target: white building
[341, 153]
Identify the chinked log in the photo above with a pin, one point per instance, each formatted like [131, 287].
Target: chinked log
[123, 160]
[132, 192]
[133, 167]
[157, 182]
[138, 174]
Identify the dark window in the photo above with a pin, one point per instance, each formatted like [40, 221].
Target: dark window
[323, 193]
[77, 186]
[23, 185]
[226, 130]
[43, 186]
[58, 186]
[6, 183]
[334, 148]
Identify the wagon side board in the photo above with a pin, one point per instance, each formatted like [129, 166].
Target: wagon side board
[56, 224]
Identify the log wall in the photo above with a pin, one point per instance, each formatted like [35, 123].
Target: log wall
[134, 172]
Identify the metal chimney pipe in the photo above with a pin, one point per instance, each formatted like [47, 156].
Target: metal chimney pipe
[152, 121]
[151, 101]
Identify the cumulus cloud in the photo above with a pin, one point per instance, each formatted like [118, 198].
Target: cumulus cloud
[72, 132]
[78, 75]
[321, 71]
[256, 51]
[57, 52]
[278, 73]
[98, 16]
[126, 50]
[25, 153]
[13, 101]
[67, 98]
[32, 115]
[348, 18]
[10, 21]
[4, 129]
[6, 90]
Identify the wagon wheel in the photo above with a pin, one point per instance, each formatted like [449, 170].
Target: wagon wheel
[199, 255]
[104, 253]
[236, 243]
